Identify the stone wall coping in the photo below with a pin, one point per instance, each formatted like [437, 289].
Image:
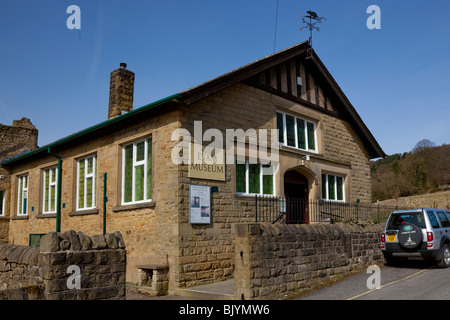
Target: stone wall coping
[19, 254]
[76, 241]
[244, 230]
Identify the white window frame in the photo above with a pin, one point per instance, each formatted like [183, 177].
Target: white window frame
[326, 196]
[87, 176]
[21, 190]
[247, 180]
[2, 199]
[135, 164]
[53, 171]
[284, 130]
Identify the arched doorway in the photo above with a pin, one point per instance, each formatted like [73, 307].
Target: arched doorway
[296, 192]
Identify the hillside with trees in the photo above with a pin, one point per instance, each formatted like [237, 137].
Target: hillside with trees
[425, 169]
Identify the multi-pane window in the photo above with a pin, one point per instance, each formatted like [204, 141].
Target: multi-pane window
[137, 171]
[332, 187]
[296, 132]
[255, 179]
[2, 203]
[86, 183]
[22, 195]
[50, 189]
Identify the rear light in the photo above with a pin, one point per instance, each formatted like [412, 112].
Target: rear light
[430, 238]
[383, 240]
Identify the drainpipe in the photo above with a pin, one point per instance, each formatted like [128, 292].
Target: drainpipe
[105, 199]
[58, 191]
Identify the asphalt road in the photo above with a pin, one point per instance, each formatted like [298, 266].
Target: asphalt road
[411, 280]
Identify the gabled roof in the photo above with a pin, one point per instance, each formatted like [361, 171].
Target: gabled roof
[241, 74]
[208, 88]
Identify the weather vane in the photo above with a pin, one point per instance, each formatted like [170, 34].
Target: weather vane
[311, 26]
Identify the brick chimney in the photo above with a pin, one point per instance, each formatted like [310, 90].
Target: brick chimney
[121, 91]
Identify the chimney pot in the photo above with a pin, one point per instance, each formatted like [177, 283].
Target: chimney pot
[123, 65]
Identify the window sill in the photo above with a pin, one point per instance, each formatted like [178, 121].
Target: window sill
[4, 218]
[83, 212]
[46, 215]
[133, 206]
[252, 195]
[302, 152]
[19, 218]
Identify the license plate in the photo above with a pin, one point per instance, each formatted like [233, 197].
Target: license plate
[392, 237]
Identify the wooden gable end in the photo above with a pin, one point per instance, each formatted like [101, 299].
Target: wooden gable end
[278, 74]
[297, 79]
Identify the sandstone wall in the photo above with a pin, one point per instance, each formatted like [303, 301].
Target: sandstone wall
[50, 271]
[342, 144]
[148, 229]
[207, 251]
[276, 261]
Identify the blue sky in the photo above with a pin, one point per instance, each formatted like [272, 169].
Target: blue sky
[396, 77]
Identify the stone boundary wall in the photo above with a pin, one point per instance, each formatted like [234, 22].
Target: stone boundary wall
[66, 266]
[278, 261]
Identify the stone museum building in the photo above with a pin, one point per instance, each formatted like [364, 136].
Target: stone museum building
[130, 173]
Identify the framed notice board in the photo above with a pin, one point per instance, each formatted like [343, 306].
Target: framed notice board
[199, 204]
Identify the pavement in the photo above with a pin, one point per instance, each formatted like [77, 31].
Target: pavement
[215, 291]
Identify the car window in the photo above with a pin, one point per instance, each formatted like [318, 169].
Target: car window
[433, 219]
[443, 219]
[398, 219]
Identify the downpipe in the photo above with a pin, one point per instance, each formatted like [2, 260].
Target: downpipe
[58, 191]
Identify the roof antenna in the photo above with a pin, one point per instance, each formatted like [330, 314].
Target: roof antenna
[311, 26]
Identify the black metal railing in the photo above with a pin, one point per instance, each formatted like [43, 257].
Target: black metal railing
[291, 210]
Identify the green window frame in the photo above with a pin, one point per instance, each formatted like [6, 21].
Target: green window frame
[86, 183]
[240, 178]
[252, 179]
[50, 178]
[22, 195]
[137, 172]
[333, 188]
[296, 132]
[280, 125]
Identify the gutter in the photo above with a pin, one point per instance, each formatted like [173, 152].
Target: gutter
[89, 130]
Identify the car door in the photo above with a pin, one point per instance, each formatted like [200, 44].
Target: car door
[445, 223]
[437, 230]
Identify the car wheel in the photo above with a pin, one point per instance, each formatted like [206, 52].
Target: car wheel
[444, 262]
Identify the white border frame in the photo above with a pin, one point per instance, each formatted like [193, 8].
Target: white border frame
[247, 176]
[134, 165]
[87, 175]
[21, 189]
[51, 184]
[284, 130]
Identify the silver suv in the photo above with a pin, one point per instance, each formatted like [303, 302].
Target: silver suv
[417, 233]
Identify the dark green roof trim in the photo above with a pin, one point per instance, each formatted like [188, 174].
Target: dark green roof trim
[92, 129]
